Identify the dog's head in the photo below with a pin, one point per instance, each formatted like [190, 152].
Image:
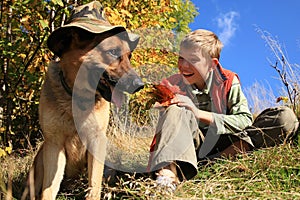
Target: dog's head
[99, 64]
[95, 54]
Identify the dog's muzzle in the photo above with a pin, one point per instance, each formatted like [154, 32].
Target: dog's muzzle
[130, 82]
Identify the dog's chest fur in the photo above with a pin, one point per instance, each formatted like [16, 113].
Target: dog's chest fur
[57, 122]
[55, 109]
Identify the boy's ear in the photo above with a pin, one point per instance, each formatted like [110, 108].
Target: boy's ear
[214, 62]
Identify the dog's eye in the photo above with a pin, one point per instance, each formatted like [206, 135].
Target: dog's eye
[116, 53]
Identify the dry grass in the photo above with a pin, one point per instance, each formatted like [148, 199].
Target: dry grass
[128, 154]
[272, 173]
[13, 172]
[260, 97]
[265, 174]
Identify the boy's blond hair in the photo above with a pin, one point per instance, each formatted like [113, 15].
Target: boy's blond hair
[207, 41]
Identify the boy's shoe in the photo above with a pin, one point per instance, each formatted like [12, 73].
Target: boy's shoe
[166, 179]
[166, 183]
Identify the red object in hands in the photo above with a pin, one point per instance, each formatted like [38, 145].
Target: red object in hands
[165, 92]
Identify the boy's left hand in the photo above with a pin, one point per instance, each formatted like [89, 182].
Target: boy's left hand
[184, 101]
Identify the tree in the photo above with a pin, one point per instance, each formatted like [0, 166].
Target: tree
[25, 27]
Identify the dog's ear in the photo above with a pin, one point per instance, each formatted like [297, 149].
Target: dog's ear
[78, 39]
[64, 43]
[73, 38]
[82, 39]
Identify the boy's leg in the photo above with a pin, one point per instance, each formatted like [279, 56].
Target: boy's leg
[237, 147]
[227, 146]
[175, 142]
[273, 126]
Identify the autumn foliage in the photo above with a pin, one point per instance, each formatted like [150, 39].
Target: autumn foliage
[141, 102]
[25, 27]
[165, 92]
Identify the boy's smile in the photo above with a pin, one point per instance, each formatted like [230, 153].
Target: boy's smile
[193, 66]
[187, 74]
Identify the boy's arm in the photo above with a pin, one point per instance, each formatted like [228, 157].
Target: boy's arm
[239, 116]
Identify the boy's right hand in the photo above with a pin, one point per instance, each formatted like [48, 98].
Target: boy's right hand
[184, 101]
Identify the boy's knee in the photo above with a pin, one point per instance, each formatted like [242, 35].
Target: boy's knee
[173, 108]
[287, 119]
[280, 116]
[273, 126]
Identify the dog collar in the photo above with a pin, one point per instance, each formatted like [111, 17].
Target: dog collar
[64, 84]
[82, 103]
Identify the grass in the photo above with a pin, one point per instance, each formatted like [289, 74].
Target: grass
[264, 174]
[272, 173]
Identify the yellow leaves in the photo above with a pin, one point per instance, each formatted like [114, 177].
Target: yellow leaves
[2, 153]
[283, 99]
[31, 94]
[5, 151]
[2, 129]
[144, 80]
[43, 23]
[172, 19]
[154, 56]
[142, 14]
[58, 2]
[124, 3]
[140, 104]
[164, 3]
[22, 55]
[25, 19]
[166, 9]
[125, 13]
[115, 17]
[8, 149]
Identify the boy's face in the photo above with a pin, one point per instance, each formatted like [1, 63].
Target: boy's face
[193, 66]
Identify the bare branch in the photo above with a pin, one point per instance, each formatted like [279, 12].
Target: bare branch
[286, 72]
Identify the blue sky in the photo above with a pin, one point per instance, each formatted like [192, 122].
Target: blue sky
[245, 52]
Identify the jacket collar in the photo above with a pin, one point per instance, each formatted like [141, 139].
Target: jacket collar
[219, 75]
[216, 76]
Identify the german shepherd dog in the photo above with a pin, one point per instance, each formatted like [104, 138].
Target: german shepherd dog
[93, 70]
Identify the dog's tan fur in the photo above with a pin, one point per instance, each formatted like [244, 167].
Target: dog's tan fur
[63, 153]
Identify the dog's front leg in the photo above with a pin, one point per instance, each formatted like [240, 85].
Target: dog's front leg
[96, 159]
[92, 132]
[36, 175]
[95, 173]
[54, 160]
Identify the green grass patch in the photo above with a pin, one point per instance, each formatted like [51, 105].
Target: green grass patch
[272, 173]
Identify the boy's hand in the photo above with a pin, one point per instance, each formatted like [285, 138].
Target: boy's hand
[185, 101]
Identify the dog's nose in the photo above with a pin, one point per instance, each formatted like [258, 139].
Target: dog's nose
[130, 82]
[137, 84]
[133, 84]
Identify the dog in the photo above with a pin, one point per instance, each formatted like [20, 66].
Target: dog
[93, 70]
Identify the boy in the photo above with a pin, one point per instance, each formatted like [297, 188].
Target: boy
[213, 118]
